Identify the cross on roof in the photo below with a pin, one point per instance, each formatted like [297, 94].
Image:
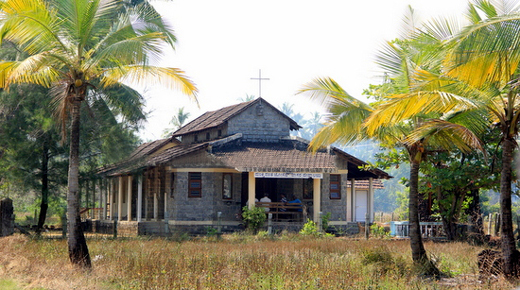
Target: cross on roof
[260, 79]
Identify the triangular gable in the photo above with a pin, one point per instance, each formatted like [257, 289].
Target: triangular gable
[219, 117]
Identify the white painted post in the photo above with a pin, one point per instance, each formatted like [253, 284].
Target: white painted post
[140, 198]
[105, 185]
[370, 198]
[112, 188]
[120, 199]
[353, 200]
[129, 199]
[155, 206]
[270, 223]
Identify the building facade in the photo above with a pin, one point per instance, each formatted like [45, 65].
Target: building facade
[209, 169]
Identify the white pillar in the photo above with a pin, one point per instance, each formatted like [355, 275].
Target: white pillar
[316, 202]
[139, 198]
[353, 200]
[155, 206]
[370, 198]
[165, 204]
[251, 190]
[129, 199]
[120, 199]
[104, 186]
[112, 182]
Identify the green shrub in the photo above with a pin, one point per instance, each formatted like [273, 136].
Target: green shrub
[253, 218]
[379, 231]
[325, 221]
[310, 228]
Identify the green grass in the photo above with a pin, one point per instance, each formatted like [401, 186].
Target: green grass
[8, 285]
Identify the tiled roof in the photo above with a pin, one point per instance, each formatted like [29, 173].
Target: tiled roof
[216, 118]
[364, 184]
[136, 158]
[289, 155]
[283, 156]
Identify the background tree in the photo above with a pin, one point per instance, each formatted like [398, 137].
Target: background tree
[176, 122]
[351, 120]
[80, 49]
[485, 56]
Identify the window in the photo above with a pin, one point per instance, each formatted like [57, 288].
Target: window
[308, 188]
[219, 133]
[195, 184]
[227, 186]
[207, 136]
[335, 186]
[196, 138]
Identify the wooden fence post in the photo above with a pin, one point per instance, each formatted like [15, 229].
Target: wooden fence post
[367, 225]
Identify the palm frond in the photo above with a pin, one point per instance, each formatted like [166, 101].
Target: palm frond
[150, 75]
[445, 135]
[330, 93]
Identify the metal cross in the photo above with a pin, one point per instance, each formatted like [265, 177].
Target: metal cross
[260, 79]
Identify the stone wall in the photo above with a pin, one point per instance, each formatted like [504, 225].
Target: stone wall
[204, 208]
[259, 123]
[337, 207]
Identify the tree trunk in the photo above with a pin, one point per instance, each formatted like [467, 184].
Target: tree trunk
[507, 236]
[418, 251]
[419, 256]
[476, 217]
[78, 250]
[45, 185]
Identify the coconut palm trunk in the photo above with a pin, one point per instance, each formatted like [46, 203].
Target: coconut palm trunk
[78, 250]
[416, 243]
[507, 236]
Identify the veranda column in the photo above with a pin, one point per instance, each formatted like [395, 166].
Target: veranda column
[353, 200]
[112, 185]
[316, 189]
[371, 198]
[120, 199]
[104, 186]
[139, 198]
[129, 199]
[155, 195]
[251, 190]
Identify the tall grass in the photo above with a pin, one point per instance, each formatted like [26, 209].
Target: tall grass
[236, 262]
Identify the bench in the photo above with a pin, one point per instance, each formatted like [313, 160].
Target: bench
[282, 211]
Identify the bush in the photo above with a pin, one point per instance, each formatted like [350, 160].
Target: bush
[325, 221]
[253, 218]
[310, 228]
[378, 231]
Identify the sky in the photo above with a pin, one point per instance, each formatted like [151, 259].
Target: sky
[222, 44]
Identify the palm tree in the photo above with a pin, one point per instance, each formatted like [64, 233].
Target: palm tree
[481, 70]
[81, 49]
[351, 120]
[485, 56]
[177, 121]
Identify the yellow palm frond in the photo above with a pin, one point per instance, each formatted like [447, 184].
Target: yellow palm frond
[173, 78]
[402, 107]
[444, 134]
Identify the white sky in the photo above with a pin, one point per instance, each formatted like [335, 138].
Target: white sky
[223, 44]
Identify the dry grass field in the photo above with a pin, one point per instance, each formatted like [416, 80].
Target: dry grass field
[237, 262]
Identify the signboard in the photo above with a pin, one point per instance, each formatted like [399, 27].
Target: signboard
[288, 175]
